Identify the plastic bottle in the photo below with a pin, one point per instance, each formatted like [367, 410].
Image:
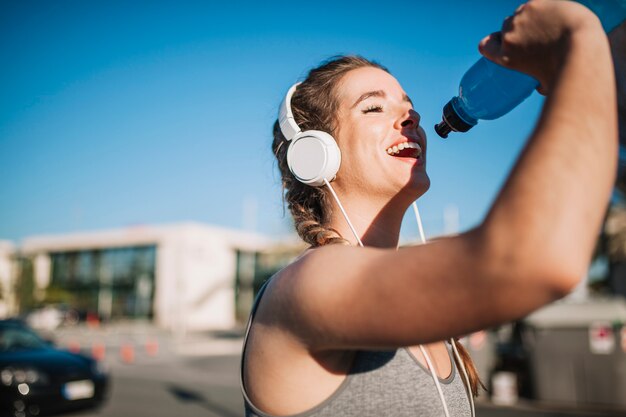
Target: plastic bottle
[488, 91]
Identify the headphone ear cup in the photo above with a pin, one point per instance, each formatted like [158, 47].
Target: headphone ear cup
[312, 156]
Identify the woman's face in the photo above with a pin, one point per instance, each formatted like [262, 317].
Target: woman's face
[375, 114]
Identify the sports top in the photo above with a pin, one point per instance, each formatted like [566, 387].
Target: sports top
[381, 382]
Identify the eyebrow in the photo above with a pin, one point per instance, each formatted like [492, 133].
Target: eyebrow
[378, 93]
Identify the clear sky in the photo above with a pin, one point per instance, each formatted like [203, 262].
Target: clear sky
[115, 114]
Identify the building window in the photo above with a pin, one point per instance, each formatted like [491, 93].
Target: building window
[253, 269]
[112, 283]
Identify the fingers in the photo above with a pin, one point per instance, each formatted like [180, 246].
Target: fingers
[491, 48]
[542, 90]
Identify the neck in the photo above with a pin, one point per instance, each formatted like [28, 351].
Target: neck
[376, 222]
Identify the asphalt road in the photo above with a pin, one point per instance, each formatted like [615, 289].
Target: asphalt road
[208, 386]
[175, 386]
[197, 374]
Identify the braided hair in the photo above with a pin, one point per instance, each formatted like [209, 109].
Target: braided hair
[314, 105]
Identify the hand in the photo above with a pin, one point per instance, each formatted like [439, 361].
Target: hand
[538, 37]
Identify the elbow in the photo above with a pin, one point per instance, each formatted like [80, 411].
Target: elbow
[558, 281]
[552, 277]
[551, 271]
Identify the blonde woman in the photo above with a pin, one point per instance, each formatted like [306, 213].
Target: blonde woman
[348, 330]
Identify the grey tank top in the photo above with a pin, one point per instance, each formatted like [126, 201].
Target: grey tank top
[382, 383]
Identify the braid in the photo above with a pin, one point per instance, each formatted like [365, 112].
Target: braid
[309, 206]
[314, 106]
[312, 231]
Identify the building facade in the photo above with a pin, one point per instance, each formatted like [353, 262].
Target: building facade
[183, 277]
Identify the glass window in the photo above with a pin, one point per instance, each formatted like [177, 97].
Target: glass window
[115, 282]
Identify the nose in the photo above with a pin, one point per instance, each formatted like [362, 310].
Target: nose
[408, 119]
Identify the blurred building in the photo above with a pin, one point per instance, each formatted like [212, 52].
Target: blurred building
[615, 248]
[186, 276]
[7, 273]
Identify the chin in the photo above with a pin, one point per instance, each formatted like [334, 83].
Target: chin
[422, 188]
[415, 187]
[419, 183]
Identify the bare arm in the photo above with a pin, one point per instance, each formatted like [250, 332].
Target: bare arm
[536, 241]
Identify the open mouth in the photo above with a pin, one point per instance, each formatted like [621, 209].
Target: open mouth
[405, 150]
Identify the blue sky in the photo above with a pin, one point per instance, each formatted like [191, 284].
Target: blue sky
[115, 114]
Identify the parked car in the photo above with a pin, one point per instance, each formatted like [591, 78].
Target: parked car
[37, 379]
[52, 316]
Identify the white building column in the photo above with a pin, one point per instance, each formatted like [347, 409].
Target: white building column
[7, 279]
[42, 272]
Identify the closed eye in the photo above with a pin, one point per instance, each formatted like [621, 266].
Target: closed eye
[373, 109]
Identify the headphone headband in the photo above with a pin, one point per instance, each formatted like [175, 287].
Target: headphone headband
[287, 123]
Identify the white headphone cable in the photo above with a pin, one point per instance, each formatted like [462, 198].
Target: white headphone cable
[345, 215]
[469, 393]
[426, 355]
[419, 222]
[436, 379]
[456, 352]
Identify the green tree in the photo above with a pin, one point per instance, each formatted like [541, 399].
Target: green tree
[57, 295]
[25, 285]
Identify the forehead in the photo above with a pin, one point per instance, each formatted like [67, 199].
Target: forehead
[361, 80]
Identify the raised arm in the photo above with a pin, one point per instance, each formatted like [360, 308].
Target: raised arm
[536, 242]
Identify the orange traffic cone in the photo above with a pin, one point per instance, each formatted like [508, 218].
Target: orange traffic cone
[98, 351]
[73, 346]
[127, 353]
[152, 347]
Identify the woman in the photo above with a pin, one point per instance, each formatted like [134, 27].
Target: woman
[337, 332]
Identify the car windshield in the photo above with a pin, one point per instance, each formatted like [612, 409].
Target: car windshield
[19, 338]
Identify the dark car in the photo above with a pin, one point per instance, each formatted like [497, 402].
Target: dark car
[38, 379]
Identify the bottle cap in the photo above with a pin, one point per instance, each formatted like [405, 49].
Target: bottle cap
[443, 129]
[451, 121]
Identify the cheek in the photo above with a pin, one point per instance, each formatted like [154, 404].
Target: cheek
[366, 153]
[361, 146]
[422, 133]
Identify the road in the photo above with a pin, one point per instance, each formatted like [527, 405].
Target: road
[209, 387]
[199, 376]
[186, 386]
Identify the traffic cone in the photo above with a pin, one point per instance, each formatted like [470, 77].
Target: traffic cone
[92, 320]
[152, 347]
[127, 353]
[98, 351]
[73, 346]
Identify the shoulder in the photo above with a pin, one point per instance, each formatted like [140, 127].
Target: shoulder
[285, 295]
[321, 267]
[318, 283]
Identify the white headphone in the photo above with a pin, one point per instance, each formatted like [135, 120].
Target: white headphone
[313, 156]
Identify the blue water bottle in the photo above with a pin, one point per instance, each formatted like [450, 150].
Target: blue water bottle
[488, 91]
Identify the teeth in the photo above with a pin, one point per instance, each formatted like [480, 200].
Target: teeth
[393, 150]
